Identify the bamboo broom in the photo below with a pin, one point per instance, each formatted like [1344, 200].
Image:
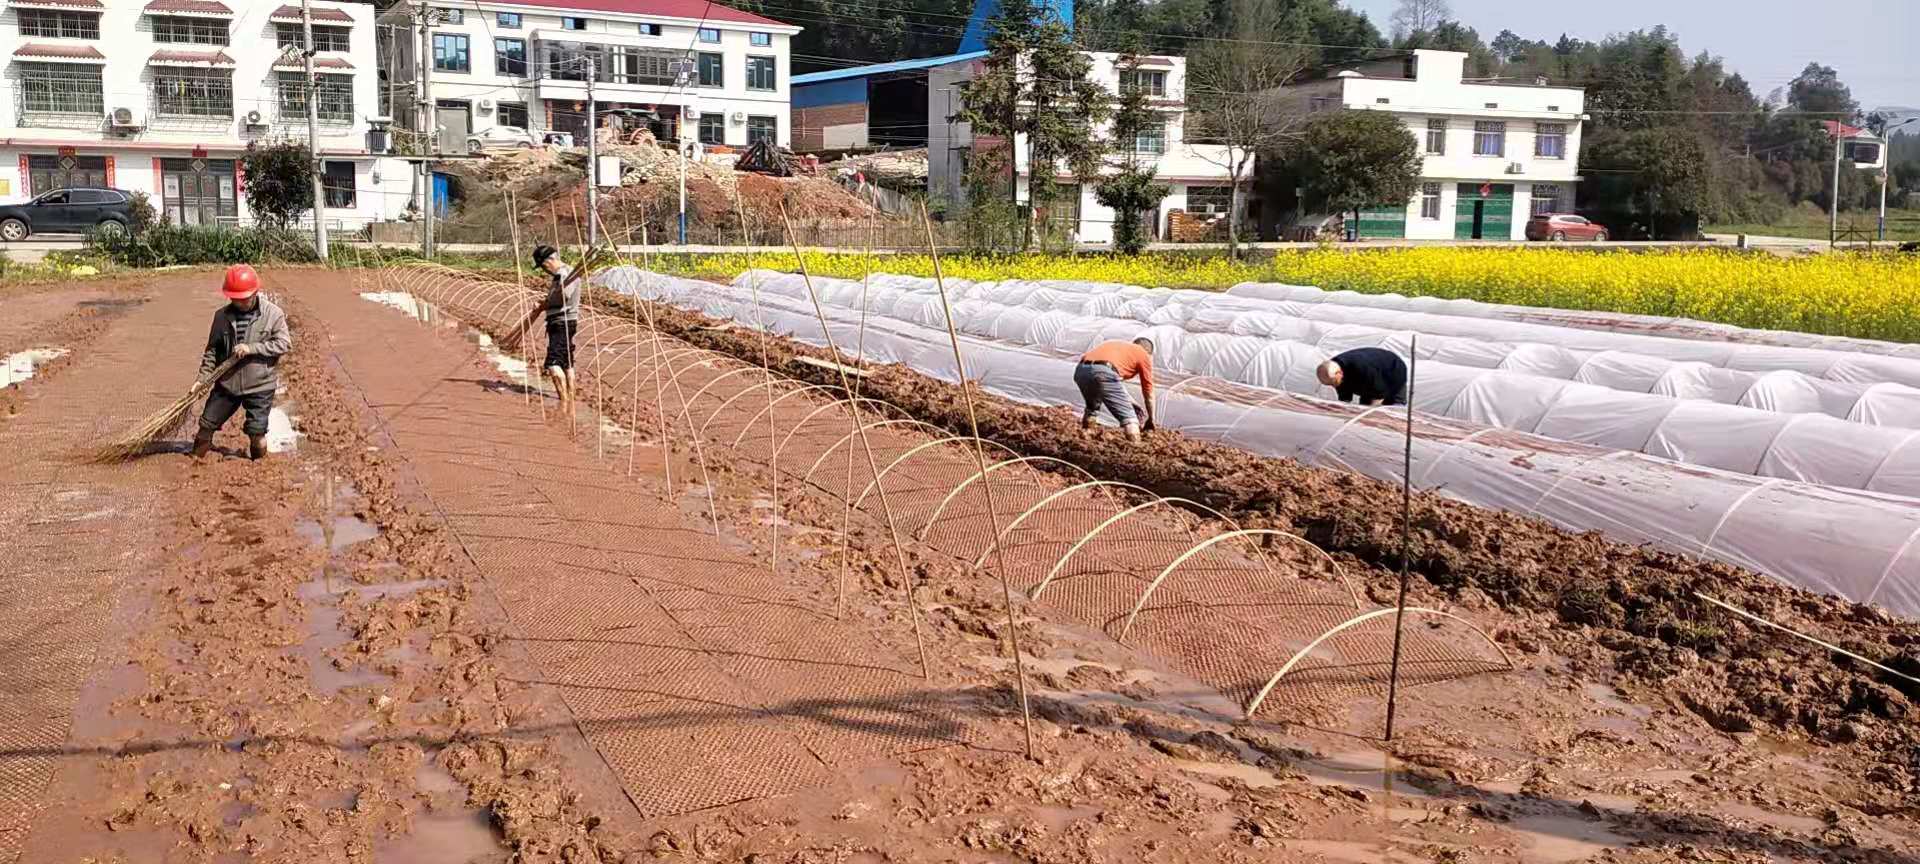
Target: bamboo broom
[163, 423]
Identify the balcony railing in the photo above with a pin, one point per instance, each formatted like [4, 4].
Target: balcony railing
[612, 64]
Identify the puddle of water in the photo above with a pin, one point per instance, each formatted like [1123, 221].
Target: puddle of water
[1056, 819]
[1555, 838]
[1254, 776]
[19, 366]
[443, 834]
[325, 633]
[1800, 824]
[341, 532]
[1352, 851]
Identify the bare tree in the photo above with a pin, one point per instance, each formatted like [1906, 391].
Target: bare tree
[1419, 16]
[1236, 99]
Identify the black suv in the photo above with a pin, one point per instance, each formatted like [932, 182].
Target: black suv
[72, 211]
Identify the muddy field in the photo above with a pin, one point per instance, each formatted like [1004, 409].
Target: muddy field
[449, 624]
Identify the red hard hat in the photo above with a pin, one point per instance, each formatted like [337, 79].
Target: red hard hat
[241, 282]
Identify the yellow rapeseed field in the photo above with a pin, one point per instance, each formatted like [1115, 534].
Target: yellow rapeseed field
[1869, 296]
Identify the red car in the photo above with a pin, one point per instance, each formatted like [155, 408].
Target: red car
[1564, 226]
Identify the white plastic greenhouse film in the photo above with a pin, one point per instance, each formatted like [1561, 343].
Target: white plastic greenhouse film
[1852, 544]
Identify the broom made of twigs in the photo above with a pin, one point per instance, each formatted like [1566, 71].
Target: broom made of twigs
[594, 259]
[163, 423]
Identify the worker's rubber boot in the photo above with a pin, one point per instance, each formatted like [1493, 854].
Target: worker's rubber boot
[202, 444]
[256, 447]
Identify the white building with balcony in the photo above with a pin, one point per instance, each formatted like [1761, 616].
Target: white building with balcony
[163, 96]
[661, 63]
[1494, 152]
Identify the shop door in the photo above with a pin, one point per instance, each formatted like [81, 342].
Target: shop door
[47, 173]
[1484, 212]
[199, 191]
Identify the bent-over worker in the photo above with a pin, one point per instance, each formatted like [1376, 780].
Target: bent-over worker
[1099, 375]
[252, 328]
[1375, 376]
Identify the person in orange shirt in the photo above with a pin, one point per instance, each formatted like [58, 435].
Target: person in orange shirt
[1099, 378]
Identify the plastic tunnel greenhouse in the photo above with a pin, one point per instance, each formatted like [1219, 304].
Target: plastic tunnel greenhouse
[1850, 543]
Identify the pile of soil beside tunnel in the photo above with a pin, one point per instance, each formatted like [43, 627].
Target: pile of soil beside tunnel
[1634, 609]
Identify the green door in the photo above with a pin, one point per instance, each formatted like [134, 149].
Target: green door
[1488, 217]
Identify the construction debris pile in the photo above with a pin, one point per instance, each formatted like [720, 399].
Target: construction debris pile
[901, 170]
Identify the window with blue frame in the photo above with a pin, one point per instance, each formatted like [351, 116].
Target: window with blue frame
[507, 20]
[760, 40]
[709, 34]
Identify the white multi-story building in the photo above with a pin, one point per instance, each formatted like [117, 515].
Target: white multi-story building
[1494, 152]
[163, 96]
[1197, 177]
[661, 63]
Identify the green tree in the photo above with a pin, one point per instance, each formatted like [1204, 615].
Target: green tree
[1347, 160]
[1818, 91]
[1660, 180]
[279, 182]
[1131, 190]
[1033, 90]
[1235, 96]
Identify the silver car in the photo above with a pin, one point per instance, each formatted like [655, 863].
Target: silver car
[502, 137]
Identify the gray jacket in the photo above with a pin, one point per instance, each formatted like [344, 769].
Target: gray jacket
[563, 297]
[270, 339]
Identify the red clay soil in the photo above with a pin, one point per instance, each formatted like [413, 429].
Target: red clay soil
[1631, 608]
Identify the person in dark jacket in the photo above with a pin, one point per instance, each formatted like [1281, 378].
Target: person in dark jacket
[1375, 376]
[252, 328]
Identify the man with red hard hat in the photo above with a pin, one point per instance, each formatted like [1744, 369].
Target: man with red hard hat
[253, 329]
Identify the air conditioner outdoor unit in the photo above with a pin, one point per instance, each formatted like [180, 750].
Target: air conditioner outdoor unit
[739, 116]
[693, 113]
[125, 118]
[255, 118]
[1516, 168]
[486, 104]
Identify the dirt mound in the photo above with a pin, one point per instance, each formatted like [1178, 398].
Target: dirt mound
[1609, 605]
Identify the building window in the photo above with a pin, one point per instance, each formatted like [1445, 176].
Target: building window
[182, 30]
[511, 114]
[193, 92]
[709, 34]
[1430, 201]
[449, 53]
[648, 28]
[760, 40]
[1143, 81]
[507, 20]
[325, 38]
[1437, 137]
[453, 16]
[762, 129]
[1493, 105]
[335, 93]
[1152, 138]
[61, 88]
[1547, 199]
[337, 181]
[713, 128]
[760, 75]
[1209, 200]
[1318, 104]
[712, 71]
[1410, 68]
[1489, 138]
[1550, 140]
[510, 57]
[58, 24]
[570, 23]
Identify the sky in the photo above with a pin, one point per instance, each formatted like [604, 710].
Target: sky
[1874, 44]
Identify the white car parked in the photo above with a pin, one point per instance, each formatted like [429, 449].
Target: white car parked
[499, 137]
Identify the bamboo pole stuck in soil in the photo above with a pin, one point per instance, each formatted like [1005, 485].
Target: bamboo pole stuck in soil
[760, 322]
[859, 361]
[659, 392]
[860, 429]
[633, 397]
[699, 452]
[1406, 539]
[573, 392]
[520, 281]
[986, 480]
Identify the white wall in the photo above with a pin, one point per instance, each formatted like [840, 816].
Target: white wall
[126, 41]
[608, 28]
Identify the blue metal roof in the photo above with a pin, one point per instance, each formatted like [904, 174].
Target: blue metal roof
[879, 68]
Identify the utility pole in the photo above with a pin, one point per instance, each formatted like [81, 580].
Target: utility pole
[423, 18]
[315, 167]
[684, 79]
[1833, 203]
[593, 160]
